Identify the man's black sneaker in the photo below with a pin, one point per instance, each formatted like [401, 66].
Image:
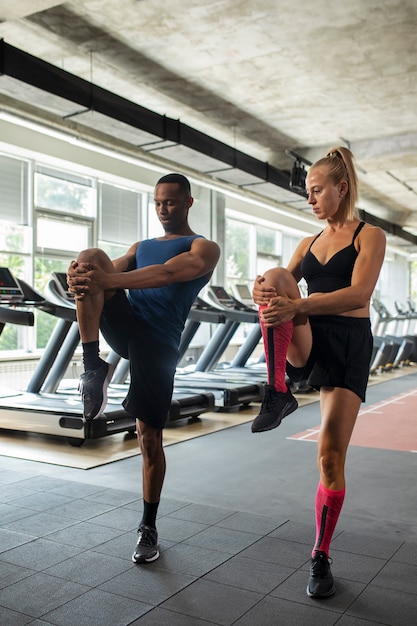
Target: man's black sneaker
[320, 584]
[275, 406]
[93, 389]
[147, 549]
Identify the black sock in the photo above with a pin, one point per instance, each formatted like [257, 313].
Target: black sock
[91, 358]
[150, 509]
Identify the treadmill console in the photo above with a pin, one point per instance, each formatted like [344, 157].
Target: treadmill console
[60, 281]
[220, 297]
[10, 290]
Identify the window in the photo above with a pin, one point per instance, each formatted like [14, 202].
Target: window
[237, 251]
[119, 218]
[62, 233]
[14, 199]
[15, 234]
[44, 323]
[64, 192]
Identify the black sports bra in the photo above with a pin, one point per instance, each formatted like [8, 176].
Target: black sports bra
[333, 275]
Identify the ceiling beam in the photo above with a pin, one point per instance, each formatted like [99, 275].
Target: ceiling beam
[38, 73]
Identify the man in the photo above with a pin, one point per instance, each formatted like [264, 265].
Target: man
[140, 303]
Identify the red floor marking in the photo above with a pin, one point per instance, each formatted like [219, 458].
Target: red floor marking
[390, 425]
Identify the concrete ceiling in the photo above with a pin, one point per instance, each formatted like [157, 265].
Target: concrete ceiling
[262, 76]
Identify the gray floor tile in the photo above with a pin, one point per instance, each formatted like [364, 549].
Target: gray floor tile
[10, 574]
[41, 501]
[41, 483]
[249, 574]
[211, 601]
[121, 546]
[121, 519]
[178, 530]
[201, 513]
[82, 509]
[407, 553]
[115, 498]
[85, 535]
[10, 513]
[39, 594]
[223, 539]
[294, 531]
[89, 568]
[355, 566]
[274, 612]
[39, 554]
[383, 547]
[398, 576]
[13, 618]
[40, 524]
[11, 539]
[9, 476]
[147, 584]
[348, 620]
[11, 492]
[76, 489]
[96, 607]
[159, 617]
[189, 559]
[250, 523]
[287, 553]
[392, 608]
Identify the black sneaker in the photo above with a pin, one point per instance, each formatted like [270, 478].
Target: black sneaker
[93, 389]
[320, 583]
[147, 549]
[275, 406]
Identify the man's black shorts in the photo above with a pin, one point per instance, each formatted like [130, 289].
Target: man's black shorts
[152, 363]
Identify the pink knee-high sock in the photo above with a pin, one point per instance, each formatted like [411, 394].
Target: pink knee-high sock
[276, 342]
[328, 506]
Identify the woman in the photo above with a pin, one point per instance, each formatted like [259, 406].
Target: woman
[324, 339]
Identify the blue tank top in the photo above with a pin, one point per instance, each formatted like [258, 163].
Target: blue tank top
[333, 275]
[165, 309]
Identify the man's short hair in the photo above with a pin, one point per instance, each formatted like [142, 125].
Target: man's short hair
[181, 180]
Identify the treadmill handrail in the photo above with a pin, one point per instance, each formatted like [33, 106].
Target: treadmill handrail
[11, 315]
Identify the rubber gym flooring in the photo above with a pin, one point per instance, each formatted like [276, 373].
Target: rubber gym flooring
[236, 527]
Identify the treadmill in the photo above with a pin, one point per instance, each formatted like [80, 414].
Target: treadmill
[46, 407]
[232, 390]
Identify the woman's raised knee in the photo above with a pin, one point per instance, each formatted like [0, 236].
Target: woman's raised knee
[283, 281]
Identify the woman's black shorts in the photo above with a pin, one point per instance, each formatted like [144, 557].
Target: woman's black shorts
[341, 354]
[152, 363]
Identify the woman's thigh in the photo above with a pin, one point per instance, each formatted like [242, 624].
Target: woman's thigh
[339, 410]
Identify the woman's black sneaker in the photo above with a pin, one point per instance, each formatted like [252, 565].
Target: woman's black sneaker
[320, 583]
[275, 406]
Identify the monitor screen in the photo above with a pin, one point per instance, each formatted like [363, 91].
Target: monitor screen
[60, 279]
[243, 292]
[10, 289]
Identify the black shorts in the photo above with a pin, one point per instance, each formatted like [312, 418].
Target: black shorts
[152, 363]
[341, 354]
